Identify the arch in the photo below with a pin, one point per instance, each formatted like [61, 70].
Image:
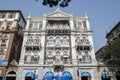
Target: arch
[85, 74]
[11, 75]
[30, 74]
[49, 73]
[66, 76]
[66, 73]
[30, 39]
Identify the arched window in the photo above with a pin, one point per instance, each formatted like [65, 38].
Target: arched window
[65, 40]
[50, 40]
[85, 40]
[36, 40]
[30, 40]
[57, 57]
[4, 40]
[79, 52]
[65, 57]
[50, 53]
[11, 75]
[9, 24]
[78, 40]
[58, 41]
[35, 25]
[87, 57]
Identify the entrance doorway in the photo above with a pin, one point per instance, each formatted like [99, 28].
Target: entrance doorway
[30, 76]
[118, 75]
[105, 75]
[85, 76]
[11, 76]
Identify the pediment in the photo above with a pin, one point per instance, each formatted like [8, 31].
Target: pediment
[58, 13]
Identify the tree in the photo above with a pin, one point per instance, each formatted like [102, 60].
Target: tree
[51, 3]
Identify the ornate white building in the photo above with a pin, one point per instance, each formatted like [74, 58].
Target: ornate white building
[57, 46]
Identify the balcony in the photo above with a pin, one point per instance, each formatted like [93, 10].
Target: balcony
[58, 27]
[33, 44]
[31, 62]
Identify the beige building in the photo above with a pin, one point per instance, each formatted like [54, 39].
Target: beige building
[57, 46]
[11, 24]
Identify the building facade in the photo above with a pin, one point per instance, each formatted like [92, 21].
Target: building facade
[57, 46]
[11, 24]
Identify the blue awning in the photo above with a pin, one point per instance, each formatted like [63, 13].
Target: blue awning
[30, 74]
[66, 77]
[57, 77]
[49, 73]
[3, 62]
[85, 74]
[48, 77]
[66, 73]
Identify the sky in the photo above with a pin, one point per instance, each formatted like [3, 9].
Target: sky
[103, 14]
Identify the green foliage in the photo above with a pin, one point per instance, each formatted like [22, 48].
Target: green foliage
[111, 52]
[51, 3]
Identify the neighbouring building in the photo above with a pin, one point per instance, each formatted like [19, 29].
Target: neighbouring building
[57, 46]
[108, 56]
[11, 24]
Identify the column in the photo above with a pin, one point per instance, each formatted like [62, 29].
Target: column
[40, 73]
[44, 23]
[41, 60]
[75, 75]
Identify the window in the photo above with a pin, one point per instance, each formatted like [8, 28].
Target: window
[1, 56]
[85, 40]
[65, 41]
[30, 40]
[8, 25]
[36, 40]
[79, 25]
[58, 41]
[50, 40]
[57, 52]
[28, 48]
[78, 40]
[50, 53]
[27, 58]
[11, 15]
[35, 58]
[36, 48]
[80, 58]
[87, 57]
[35, 25]
[65, 59]
[79, 52]
[1, 23]
[4, 40]
[2, 15]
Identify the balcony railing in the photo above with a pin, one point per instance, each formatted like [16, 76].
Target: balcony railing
[31, 62]
[58, 27]
[33, 44]
[57, 45]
